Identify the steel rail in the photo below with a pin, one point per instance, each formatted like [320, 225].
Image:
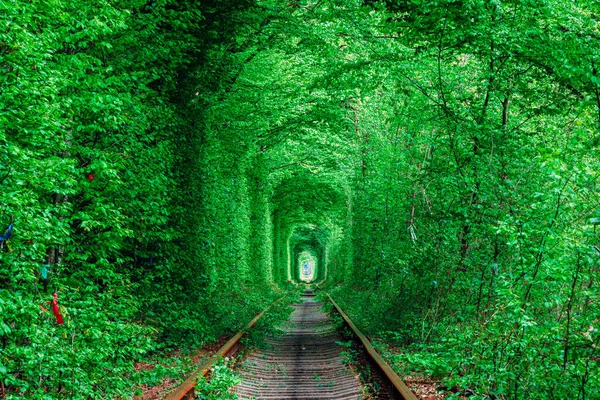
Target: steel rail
[383, 366]
[186, 389]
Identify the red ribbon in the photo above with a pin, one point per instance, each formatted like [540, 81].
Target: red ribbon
[56, 310]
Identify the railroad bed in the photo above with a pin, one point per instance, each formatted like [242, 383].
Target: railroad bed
[304, 362]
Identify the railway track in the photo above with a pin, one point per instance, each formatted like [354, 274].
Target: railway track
[303, 362]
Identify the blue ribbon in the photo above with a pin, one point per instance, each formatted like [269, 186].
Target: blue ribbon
[7, 234]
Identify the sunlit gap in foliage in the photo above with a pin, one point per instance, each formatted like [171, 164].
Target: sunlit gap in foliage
[308, 245]
[308, 263]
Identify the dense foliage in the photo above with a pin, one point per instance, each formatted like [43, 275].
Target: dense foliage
[476, 206]
[170, 164]
[103, 181]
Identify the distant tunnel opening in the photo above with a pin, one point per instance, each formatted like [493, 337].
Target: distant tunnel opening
[308, 245]
[309, 216]
[306, 266]
[309, 264]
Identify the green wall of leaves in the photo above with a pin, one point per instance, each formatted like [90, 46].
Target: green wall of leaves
[115, 176]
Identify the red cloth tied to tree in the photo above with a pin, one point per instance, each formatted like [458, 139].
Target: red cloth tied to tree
[56, 310]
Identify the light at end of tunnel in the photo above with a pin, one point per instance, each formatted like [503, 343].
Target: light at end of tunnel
[307, 264]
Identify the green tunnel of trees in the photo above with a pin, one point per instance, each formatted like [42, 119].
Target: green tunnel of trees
[165, 163]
